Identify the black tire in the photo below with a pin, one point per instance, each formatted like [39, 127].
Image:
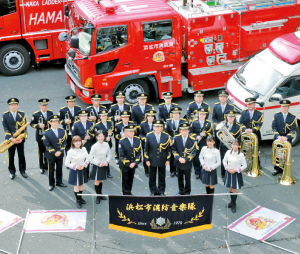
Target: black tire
[132, 88]
[296, 136]
[14, 60]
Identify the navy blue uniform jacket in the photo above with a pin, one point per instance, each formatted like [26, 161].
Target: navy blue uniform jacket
[129, 154]
[53, 143]
[281, 128]
[35, 123]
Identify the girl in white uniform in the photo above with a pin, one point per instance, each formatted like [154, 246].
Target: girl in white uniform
[234, 162]
[210, 160]
[77, 161]
[100, 157]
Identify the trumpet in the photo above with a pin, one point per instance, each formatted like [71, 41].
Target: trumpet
[249, 147]
[41, 121]
[282, 157]
[68, 126]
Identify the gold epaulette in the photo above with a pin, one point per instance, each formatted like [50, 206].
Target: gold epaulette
[130, 122]
[178, 135]
[259, 111]
[208, 121]
[122, 138]
[195, 120]
[89, 107]
[217, 103]
[192, 138]
[6, 112]
[36, 112]
[192, 102]
[113, 105]
[21, 111]
[205, 103]
[50, 110]
[77, 106]
[278, 112]
[98, 123]
[150, 132]
[135, 105]
[63, 107]
[176, 104]
[230, 104]
[117, 122]
[182, 119]
[149, 104]
[161, 104]
[170, 119]
[103, 106]
[108, 121]
[144, 121]
[292, 114]
[245, 109]
[77, 121]
[90, 120]
[60, 128]
[127, 104]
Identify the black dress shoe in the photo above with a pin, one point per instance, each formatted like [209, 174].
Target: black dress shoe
[78, 203]
[179, 193]
[152, 194]
[229, 205]
[24, 174]
[42, 171]
[82, 201]
[275, 172]
[61, 185]
[103, 198]
[233, 208]
[51, 188]
[12, 176]
[109, 176]
[172, 174]
[197, 176]
[98, 200]
[147, 174]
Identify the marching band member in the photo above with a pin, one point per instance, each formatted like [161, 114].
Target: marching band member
[116, 109]
[119, 131]
[13, 120]
[236, 131]
[130, 156]
[68, 115]
[107, 128]
[200, 129]
[284, 124]
[55, 142]
[234, 163]
[219, 111]
[164, 109]
[210, 160]
[95, 108]
[77, 161]
[197, 104]
[85, 130]
[39, 121]
[157, 156]
[146, 127]
[139, 110]
[172, 128]
[184, 150]
[252, 120]
[100, 156]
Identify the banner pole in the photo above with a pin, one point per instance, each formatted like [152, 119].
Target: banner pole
[226, 228]
[94, 221]
[279, 247]
[19, 246]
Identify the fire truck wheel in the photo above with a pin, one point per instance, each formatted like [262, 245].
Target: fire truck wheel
[14, 59]
[132, 88]
[296, 136]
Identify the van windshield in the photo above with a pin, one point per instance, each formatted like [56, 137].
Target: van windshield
[258, 76]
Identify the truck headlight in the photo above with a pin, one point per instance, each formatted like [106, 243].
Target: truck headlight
[86, 93]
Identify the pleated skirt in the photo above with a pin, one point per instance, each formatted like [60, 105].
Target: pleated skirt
[209, 178]
[99, 173]
[77, 177]
[234, 180]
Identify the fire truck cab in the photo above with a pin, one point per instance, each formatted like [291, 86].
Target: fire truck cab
[270, 76]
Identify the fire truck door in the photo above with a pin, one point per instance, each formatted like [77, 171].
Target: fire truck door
[1, 27]
[158, 46]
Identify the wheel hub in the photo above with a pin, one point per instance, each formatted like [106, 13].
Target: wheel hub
[131, 92]
[13, 60]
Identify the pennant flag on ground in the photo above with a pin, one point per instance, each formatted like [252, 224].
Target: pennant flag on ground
[8, 220]
[55, 221]
[261, 223]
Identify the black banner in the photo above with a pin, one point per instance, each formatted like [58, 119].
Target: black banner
[161, 216]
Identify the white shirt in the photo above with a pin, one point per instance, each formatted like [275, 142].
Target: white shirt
[201, 123]
[97, 110]
[235, 161]
[223, 107]
[55, 131]
[210, 158]
[284, 116]
[121, 107]
[184, 140]
[100, 153]
[176, 122]
[44, 114]
[72, 111]
[142, 108]
[199, 105]
[14, 115]
[76, 157]
[251, 114]
[130, 141]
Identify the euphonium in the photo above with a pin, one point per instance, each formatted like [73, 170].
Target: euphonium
[224, 135]
[7, 143]
[249, 146]
[282, 157]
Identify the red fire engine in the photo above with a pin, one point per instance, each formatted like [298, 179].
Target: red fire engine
[153, 46]
[29, 31]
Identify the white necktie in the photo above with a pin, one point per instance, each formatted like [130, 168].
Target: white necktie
[14, 116]
[284, 118]
[84, 126]
[251, 115]
[150, 126]
[143, 109]
[157, 138]
[55, 132]
[223, 108]
[131, 142]
[168, 109]
[176, 125]
[72, 112]
[121, 108]
[45, 115]
[229, 127]
[201, 125]
[184, 141]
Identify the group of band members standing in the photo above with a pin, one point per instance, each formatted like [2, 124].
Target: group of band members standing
[86, 139]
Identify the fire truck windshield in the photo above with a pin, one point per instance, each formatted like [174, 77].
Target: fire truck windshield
[258, 76]
[85, 38]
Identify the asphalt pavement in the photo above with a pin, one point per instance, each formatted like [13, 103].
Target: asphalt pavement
[17, 196]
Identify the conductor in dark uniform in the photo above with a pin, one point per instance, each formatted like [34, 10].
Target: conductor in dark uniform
[55, 142]
[157, 156]
[94, 109]
[200, 129]
[130, 152]
[12, 121]
[68, 115]
[184, 150]
[164, 109]
[197, 104]
[39, 121]
[139, 110]
[115, 110]
[284, 125]
[172, 128]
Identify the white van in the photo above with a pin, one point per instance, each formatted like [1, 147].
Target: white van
[270, 76]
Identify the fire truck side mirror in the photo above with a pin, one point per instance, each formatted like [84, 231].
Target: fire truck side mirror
[74, 42]
[67, 10]
[62, 36]
[71, 53]
[275, 97]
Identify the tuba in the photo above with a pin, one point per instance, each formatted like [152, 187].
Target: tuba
[224, 135]
[282, 157]
[7, 143]
[249, 147]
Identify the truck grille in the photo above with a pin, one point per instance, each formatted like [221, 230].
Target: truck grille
[72, 67]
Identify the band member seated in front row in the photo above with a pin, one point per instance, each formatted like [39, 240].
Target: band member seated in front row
[234, 163]
[210, 159]
[77, 161]
[13, 120]
[130, 152]
[164, 109]
[107, 128]
[84, 129]
[200, 129]
[184, 150]
[284, 124]
[55, 140]
[100, 158]
[172, 128]
[157, 155]
[146, 127]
